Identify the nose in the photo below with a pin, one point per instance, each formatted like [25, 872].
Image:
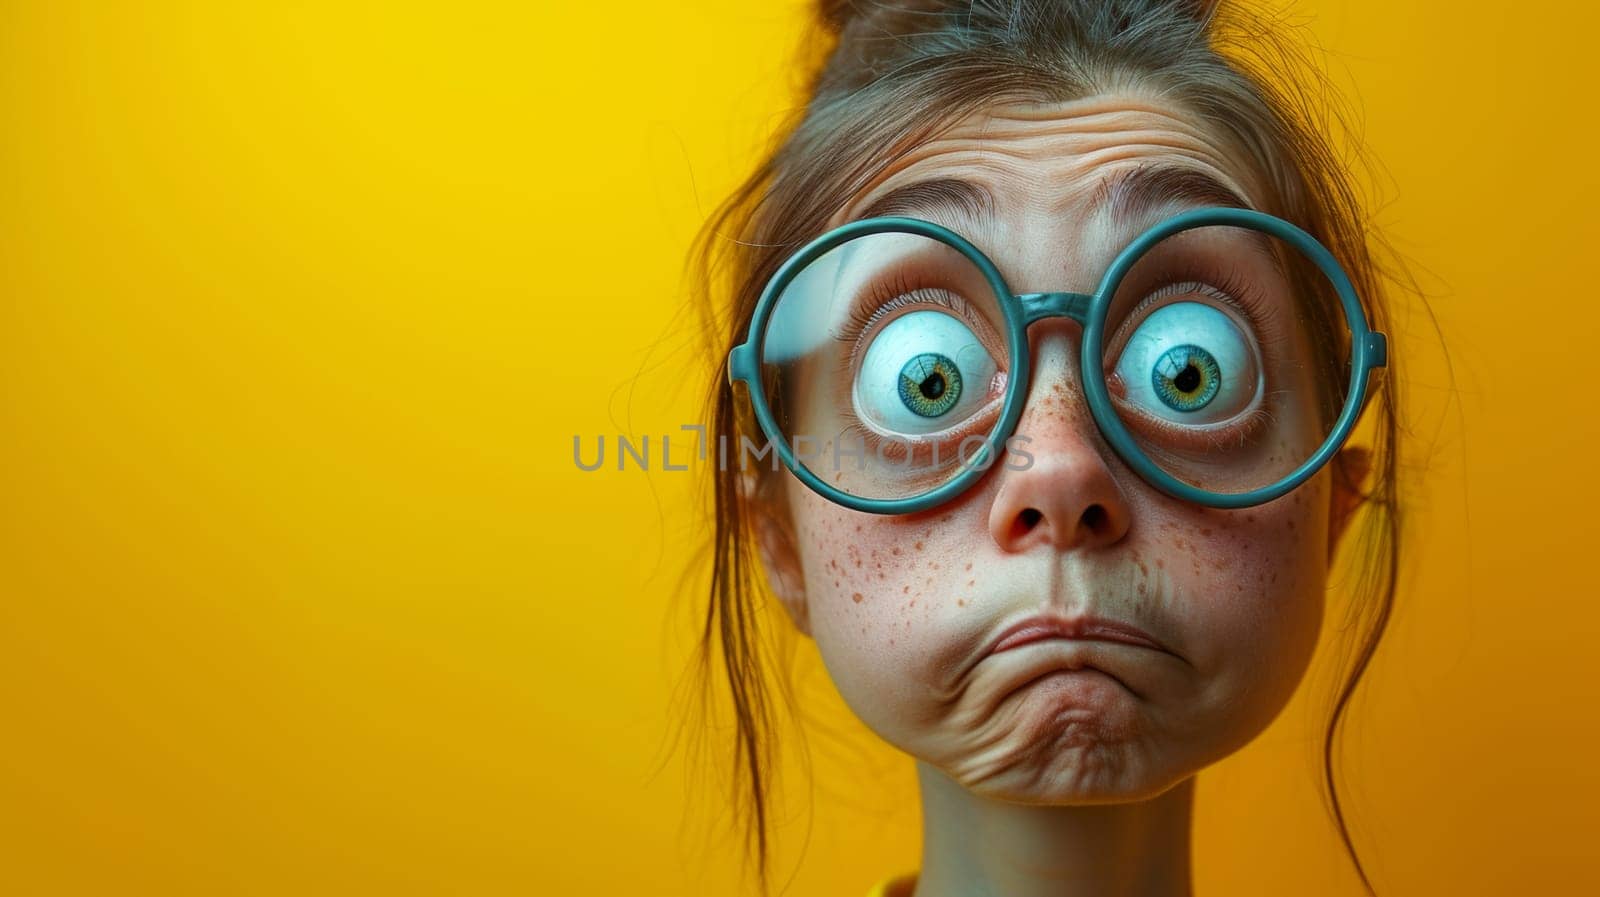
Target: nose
[1067, 496]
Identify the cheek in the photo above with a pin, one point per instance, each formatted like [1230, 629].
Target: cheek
[1250, 584]
[879, 592]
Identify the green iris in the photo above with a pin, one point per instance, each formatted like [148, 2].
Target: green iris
[1186, 377]
[930, 384]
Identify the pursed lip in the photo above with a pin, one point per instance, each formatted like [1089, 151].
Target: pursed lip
[1046, 626]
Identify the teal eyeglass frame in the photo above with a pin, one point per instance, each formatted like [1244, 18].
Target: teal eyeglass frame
[1369, 355]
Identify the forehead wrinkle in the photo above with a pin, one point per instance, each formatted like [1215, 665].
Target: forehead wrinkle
[1064, 173]
[1122, 120]
[1049, 154]
[1070, 144]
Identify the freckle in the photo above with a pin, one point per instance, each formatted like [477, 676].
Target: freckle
[891, 641]
[858, 562]
[933, 564]
[913, 602]
[969, 565]
[919, 546]
[856, 597]
[1205, 530]
[971, 583]
[897, 551]
[1160, 563]
[1238, 587]
[858, 527]
[836, 583]
[1249, 518]
[906, 590]
[961, 602]
[1291, 526]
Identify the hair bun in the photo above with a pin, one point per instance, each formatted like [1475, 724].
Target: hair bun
[1200, 10]
[891, 15]
[835, 14]
[901, 16]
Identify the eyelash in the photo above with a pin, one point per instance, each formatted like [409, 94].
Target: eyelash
[886, 296]
[895, 292]
[1229, 289]
[1260, 316]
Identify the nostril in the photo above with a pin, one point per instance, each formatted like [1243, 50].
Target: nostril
[1094, 519]
[1026, 521]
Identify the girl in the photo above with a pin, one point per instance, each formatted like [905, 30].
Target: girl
[1058, 315]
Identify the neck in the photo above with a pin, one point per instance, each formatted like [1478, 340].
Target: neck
[980, 845]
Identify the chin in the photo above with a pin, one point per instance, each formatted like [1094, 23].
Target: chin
[1081, 775]
[1070, 736]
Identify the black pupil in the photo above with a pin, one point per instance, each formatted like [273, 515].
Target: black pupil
[1188, 378]
[933, 387]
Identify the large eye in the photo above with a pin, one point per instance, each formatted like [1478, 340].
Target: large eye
[924, 372]
[1189, 363]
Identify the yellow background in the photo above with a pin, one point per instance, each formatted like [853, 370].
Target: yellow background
[301, 305]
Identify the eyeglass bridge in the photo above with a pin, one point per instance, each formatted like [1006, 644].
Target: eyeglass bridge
[1054, 305]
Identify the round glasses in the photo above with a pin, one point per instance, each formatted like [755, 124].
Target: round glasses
[1225, 357]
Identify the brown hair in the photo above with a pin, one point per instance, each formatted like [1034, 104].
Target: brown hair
[881, 76]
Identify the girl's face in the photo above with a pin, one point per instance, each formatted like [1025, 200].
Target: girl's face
[905, 609]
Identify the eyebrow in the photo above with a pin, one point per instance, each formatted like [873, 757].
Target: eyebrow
[1138, 193]
[1131, 195]
[934, 198]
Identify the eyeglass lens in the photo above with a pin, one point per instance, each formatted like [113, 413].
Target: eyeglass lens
[1226, 353]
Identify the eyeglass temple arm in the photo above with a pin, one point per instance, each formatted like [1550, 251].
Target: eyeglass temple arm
[1377, 365]
[740, 366]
